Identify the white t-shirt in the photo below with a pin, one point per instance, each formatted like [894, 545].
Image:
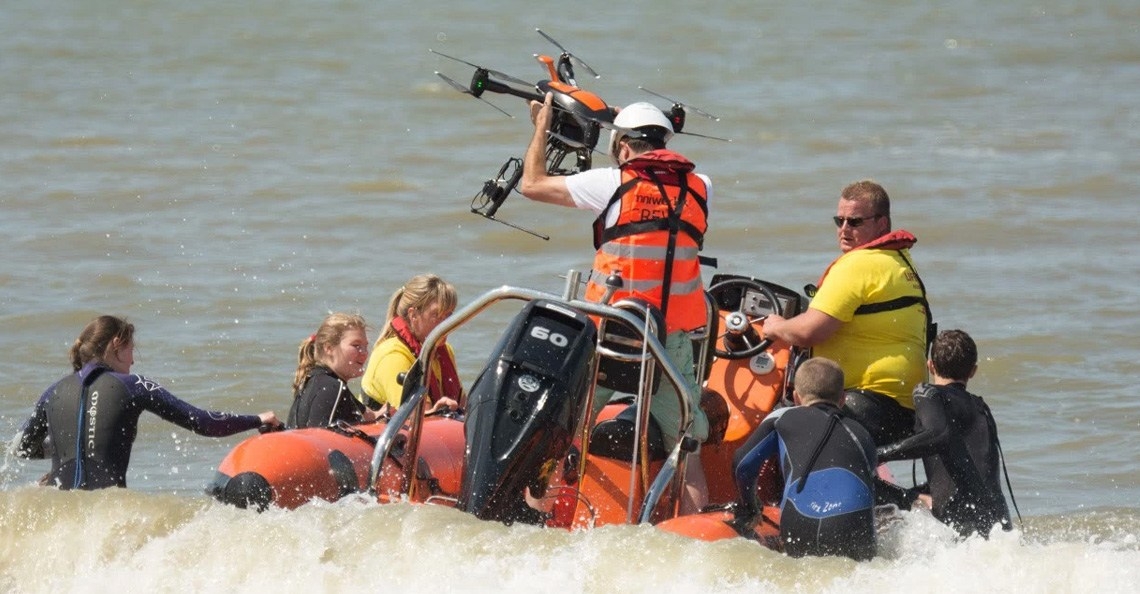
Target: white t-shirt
[593, 189]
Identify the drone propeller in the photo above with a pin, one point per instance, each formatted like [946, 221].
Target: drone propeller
[567, 55]
[466, 91]
[677, 112]
[681, 105]
[706, 136]
[503, 75]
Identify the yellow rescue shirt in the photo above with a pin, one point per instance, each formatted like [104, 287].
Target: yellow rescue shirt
[886, 351]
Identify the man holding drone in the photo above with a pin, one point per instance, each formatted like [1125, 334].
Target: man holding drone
[652, 215]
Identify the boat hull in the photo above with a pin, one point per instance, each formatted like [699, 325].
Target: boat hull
[287, 469]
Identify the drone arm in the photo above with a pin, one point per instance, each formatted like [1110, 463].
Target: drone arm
[485, 80]
[536, 183]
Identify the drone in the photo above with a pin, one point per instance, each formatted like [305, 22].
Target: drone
[578, 119]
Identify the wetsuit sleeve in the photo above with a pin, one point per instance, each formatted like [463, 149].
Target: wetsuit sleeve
[34, 431]
[890, 493]
[749, 458]
[933, 428]
[161, 402]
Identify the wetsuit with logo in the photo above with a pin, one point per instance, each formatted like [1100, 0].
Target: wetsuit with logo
[323, 400]
[956, 437]
[828, 463]
[91, 419]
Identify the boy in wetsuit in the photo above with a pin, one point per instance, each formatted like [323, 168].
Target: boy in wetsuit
[956, 437]
[828, 465]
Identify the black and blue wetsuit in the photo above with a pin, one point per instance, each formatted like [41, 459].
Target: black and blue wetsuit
[828, 465]
[956, 437]
[323, 400]
[91, 418]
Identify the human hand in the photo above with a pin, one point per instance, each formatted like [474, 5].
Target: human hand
[540, 112]
[269, 420]
[771, 325]
[923, 500]
[442, 405]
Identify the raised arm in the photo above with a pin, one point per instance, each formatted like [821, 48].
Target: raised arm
[536, 183]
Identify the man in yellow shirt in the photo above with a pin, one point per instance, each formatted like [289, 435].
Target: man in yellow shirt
[869, 314]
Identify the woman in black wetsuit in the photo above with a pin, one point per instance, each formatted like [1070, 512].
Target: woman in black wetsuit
[87, 421]
[326, 361]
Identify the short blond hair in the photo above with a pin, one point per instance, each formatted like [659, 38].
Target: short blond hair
[819, 378]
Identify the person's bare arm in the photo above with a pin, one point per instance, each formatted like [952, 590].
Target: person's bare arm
[536, 183]
[805, 330]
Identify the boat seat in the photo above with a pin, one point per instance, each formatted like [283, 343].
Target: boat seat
[614, 438]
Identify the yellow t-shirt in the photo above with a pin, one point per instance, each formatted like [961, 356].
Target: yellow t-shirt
[884, 352]
[389, 358]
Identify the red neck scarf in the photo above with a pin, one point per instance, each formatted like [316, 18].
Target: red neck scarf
[895, 240]
[447, 384]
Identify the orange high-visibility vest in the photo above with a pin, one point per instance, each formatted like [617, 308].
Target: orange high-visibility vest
[662, 218]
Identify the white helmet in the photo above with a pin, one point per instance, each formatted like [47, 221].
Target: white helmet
[639, 115]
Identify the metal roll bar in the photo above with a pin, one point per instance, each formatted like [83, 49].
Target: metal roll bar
[653, 352]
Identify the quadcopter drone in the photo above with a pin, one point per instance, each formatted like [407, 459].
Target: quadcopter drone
[575, 128]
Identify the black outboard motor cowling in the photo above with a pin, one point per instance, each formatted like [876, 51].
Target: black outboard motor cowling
[524, 408]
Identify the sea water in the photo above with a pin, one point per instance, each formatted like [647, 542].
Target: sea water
[225, 174]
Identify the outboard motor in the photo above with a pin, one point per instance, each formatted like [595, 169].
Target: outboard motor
[523, 410]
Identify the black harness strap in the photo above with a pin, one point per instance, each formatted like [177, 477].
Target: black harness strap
[603, 234]
[627, 229]
[906, 301]
[672, 223]
[893, 304]
[671, 247]
[835, 418]
[993, 430]
[348, 430]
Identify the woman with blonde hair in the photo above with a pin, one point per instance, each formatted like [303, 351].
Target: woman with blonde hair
[414, 310]
[326, 361]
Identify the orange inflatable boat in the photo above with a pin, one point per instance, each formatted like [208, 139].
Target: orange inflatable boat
[526, 448]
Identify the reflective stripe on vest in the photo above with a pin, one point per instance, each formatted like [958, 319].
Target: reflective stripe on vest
[649, 286]
[641, 256]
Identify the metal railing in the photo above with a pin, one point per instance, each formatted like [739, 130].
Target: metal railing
[653, 353]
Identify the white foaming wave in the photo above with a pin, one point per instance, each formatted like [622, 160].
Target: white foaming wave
[119, 540]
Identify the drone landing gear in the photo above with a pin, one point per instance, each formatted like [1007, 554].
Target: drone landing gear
[495, 191]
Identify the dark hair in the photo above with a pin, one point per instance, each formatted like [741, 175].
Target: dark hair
[97, 336]
[954, 355]
[820, 378]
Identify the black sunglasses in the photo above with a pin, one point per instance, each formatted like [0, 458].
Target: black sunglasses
[852, 222]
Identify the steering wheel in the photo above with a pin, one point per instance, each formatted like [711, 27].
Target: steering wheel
[738, 324]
